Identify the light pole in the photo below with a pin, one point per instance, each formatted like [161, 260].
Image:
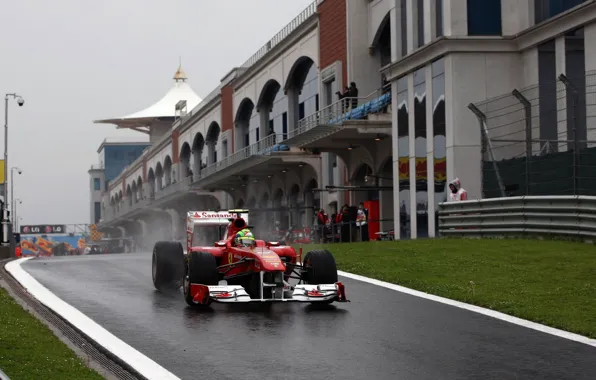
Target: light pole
[13, 209]
[14, 217]
[5, 221]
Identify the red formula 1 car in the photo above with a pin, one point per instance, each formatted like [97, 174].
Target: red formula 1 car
[227, 273]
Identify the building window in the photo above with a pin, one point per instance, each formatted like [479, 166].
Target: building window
[97, 210]
[404, 28]
[439, 17]
[96, 184]
[545, 9]
[484, 18]
[420, 21]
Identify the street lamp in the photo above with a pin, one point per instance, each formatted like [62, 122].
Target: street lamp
[5, 221]
[13, 210]
[14, 218]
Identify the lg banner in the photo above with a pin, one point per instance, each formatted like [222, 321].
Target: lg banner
[43, 229]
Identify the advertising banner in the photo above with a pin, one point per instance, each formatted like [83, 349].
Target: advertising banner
[38, 245]
[43, 229]
[421, 169]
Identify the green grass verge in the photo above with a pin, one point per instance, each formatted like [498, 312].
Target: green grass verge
[29, 350]
[549, 282]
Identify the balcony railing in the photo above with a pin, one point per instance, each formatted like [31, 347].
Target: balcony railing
[262, 147]
[174, 187]
[334, 114]
[282, 34]
[344, 109]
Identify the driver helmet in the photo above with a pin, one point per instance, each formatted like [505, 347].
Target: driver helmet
[245, 238]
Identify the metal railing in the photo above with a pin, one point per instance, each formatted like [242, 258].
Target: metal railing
[540, 140]
[261, 147]
[279, 37]
[572, 216]
[282, 34]
[352, 108]
[174, 187]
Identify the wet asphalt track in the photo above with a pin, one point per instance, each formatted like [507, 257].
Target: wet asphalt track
[381, 334]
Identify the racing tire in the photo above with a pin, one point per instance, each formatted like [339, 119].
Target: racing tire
[319, 268]
[167, 265]
[201, 268]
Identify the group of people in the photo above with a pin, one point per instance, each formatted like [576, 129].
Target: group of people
[348, 225]
[351, 224]
[351, 95]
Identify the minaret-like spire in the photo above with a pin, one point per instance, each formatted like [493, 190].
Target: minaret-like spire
[180, 76]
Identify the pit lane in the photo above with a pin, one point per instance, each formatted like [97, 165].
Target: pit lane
[381, 334]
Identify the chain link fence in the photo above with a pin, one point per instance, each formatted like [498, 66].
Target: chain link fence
[540, 140]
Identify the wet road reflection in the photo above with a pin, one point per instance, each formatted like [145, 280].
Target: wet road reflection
[381, 334]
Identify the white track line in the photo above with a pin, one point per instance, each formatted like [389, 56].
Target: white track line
[477, 309]
[126, 353]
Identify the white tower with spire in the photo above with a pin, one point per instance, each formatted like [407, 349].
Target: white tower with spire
[156, 120]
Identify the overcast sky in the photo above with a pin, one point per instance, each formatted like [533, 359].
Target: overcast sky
[75, 61]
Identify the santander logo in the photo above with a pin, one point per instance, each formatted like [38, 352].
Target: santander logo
[207, 214]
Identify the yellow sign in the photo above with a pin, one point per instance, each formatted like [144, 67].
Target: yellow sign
[2, 174]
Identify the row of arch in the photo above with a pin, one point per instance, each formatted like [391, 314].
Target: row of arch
[268, 97]
[163, 175]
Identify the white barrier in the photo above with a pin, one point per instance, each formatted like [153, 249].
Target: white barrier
[552, 216]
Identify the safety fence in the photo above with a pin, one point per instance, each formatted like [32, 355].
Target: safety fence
[540, 140]
[546, 216]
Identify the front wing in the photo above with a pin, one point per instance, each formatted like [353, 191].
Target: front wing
[205, 294]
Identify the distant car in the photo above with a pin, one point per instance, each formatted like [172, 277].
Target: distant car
[227, 273]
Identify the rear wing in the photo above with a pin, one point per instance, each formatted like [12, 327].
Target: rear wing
[214, 218]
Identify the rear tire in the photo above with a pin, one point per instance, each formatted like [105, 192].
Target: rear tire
[167, 265]
[320, 268]
[201, 268]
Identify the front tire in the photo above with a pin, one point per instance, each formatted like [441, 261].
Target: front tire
[167, 265]
[201, 268]
[320, 268]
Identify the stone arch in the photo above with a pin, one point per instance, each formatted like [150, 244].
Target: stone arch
[242, 124]
[295, 82]
[381, 42]
[359, 179]
[240, 203]
[277, 203]
[151, 181]
[211, 140]
[135, 191]
[119, 199]
[209, 202]
[129, 195]
[158, 177]
[198, 143]
[298, 72]
[312, 199]
[269, 93]
[356, 158]
[295, 205]
[252, 202]
[167, 171]
[140, 191]
[185, 155]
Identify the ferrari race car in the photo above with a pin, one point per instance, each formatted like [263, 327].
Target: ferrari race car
[225, 272]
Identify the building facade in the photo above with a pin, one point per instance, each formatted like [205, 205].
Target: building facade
[113, 157]
[275, 137]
